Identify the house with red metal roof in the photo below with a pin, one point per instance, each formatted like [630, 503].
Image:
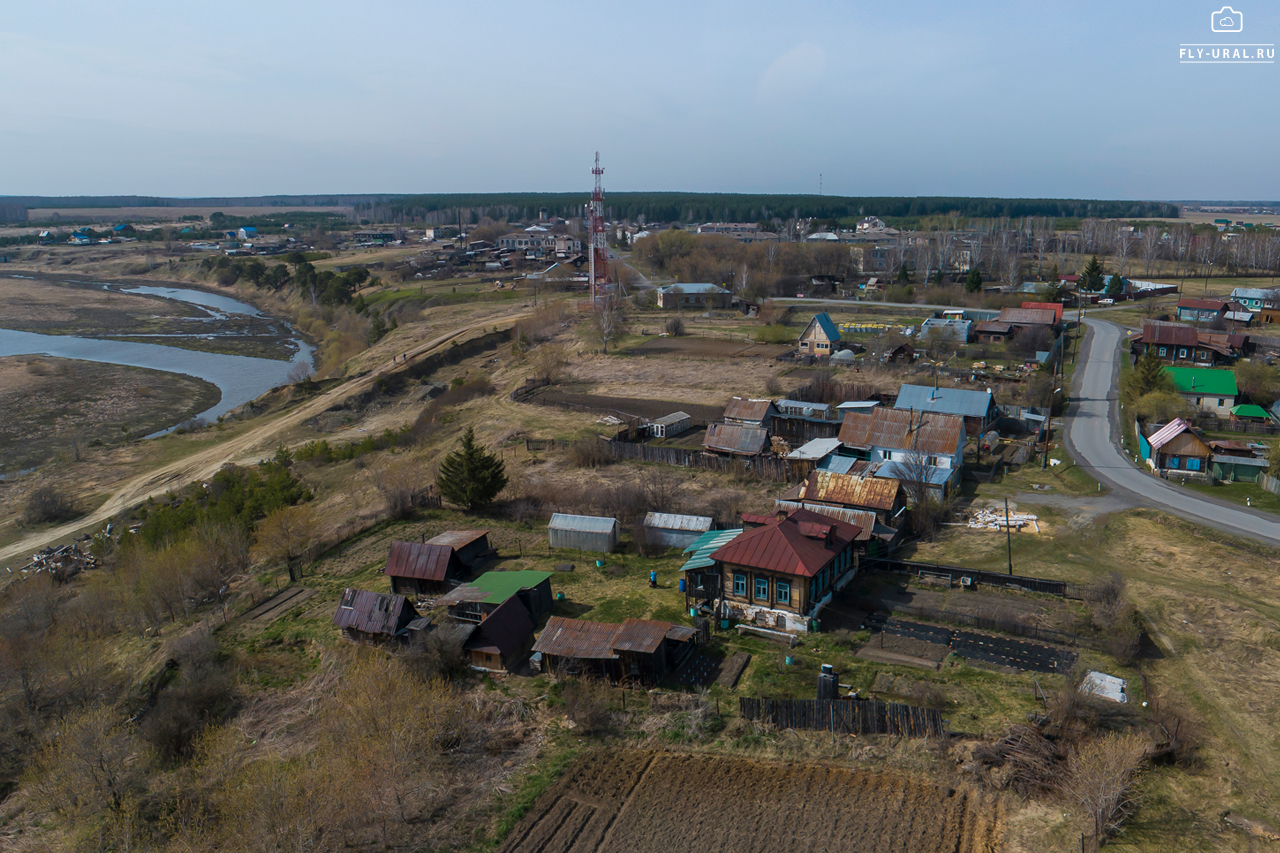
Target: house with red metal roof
[779, 574]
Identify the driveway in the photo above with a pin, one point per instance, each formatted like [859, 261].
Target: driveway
[1092, 439]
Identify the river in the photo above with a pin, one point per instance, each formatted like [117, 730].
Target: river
[239, 378]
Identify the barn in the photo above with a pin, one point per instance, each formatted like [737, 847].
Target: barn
[474, 601]
[583, 532]
[375, 617]
[503, 639]
[422, 569]
[641, 650]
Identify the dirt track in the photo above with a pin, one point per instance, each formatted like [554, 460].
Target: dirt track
[258, 441]
[643, 801]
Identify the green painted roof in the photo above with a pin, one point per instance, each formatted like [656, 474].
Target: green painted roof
[503, 585]
[1199, 380]
[1249, 410]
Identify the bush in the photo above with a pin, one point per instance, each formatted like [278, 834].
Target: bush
[436, 654]
[675, 327]
[49, 504]
[775, 333]
[773, 385]
[586, 704]
[589, 452]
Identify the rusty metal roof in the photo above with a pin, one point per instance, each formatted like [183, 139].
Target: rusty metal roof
[577, 638]
[1169, 335]
[744, 409]
[903, 429]
[420, 560]
[373, 612]
[784, 548]
[849, 490]
[457, 539]
[1027, 316]
[680, 633]
[641, 635]
[504, 631]
[860, 518]
[732, 438]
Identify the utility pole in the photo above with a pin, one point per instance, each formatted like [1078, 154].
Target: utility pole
[1008, 537]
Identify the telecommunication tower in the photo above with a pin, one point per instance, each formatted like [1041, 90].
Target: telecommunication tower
[599, 247]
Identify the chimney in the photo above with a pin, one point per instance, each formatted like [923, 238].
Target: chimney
[781, 515]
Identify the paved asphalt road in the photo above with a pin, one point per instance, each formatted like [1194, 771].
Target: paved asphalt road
[1092, 439]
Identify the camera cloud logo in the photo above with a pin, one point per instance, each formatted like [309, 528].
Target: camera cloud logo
[1226, 20]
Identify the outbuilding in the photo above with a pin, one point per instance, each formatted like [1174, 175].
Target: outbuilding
[670, 426]
[503, 640]
[644, 651]
[422, 569]
[592, 533]
[474, 601]
[374, 617]
[675, 531]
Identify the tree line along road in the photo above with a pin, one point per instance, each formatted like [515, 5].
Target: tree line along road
[1093, 440]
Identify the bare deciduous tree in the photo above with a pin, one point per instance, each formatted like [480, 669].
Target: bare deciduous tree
[1099, 776]
[286, 534]
[608, 318]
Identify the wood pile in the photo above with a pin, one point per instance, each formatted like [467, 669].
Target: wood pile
[994, 519]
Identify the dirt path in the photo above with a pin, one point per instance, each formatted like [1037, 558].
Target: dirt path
[204, 464]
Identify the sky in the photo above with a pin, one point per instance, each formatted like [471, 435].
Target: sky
[1029, 99]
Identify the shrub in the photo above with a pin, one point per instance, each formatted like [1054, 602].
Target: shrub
[589, 452]
[49, 504]
[675, 327]
[435, 654]
[773, 385]
[586, 704]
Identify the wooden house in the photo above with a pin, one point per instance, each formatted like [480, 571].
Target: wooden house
[1177, 448]
[897, 435]
[742, 411]
[471, 547]
[993, 332]
[1177, 344]
[423, 569]
[1029, 318]
[781, 573]
[473, 602]
[503, 640]
[375, 617]
[643, 651]
[883, 497]
[735, 440]
[820, 338]
[977, 408]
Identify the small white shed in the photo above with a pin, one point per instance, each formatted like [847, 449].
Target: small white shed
[592, 533]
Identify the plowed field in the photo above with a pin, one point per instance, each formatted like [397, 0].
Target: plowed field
[630, 800]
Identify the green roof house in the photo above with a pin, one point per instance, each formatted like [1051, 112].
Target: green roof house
[1211, 391]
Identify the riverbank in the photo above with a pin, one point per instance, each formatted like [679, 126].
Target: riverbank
[58, 407]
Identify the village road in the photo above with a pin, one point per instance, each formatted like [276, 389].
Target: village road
[1092, 439]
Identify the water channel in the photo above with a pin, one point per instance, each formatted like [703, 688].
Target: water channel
[239, 378]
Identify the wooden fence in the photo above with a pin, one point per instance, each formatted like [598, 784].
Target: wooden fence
[1216, 424]
[1271, 484]
[845, 716]
[764, 467]
[976, 577]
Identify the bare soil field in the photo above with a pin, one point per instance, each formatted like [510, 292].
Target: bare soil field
[631, 406]
[49, 403]
[644, 801]
[708, 348]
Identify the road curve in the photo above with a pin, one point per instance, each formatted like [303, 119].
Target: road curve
[1092, 439]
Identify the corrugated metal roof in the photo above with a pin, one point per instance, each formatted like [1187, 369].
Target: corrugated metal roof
[848, 490]
[847, 465]
[577, 638]
[994, 328]
[934, 475]
[858, 405]
[680, 633]
[457, 539]
[815, 449]
[419, 560]
[744, 409]
[826, 324]
[582, 523]
[930, 433]
[673, 418]
[494, 587]
[948, 401]
[693, 287]
[641, 635]
[1167, 433]
[1169, 335]
[1027, 316]
[705, 545]
[1249, 410]
[800, 404]
[1196, 303]
[732, 438]
[861, 518]
[784, 548]
[671, 521]
[1242, 460]
[373, 612]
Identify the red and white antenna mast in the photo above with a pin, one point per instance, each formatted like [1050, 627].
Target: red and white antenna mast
[599, 247]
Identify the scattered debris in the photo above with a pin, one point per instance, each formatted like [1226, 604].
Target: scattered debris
[63, 562]
[994, 519]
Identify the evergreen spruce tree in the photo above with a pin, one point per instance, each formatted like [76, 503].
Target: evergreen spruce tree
[1148, 375]
[1091, 278]
[973, 281]
[470, 476]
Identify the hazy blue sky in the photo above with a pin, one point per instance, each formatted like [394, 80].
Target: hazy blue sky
[1081, 99]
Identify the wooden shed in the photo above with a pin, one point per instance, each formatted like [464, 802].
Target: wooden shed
[375, 617]
[670, 426]
[592, 533]
[644, 651]
[503, 640]
[473, 601]
[422, 568]
[470, 546]
[675, 531]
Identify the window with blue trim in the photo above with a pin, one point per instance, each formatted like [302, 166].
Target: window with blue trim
[762, 589]
[784, 592]
[739, 584]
